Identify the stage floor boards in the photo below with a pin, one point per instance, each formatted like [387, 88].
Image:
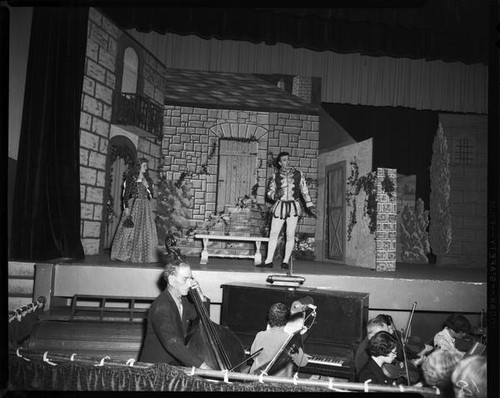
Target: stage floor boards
[403, 270]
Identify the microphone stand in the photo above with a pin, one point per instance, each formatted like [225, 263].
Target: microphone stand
[289, 280]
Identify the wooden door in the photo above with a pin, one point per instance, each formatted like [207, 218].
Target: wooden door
[237, 162]
[335, 233]
[117, 170]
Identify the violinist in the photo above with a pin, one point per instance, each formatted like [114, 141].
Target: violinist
[381, 349]
[456, 326]
[272, 339]
[374, 325]
[171, 318]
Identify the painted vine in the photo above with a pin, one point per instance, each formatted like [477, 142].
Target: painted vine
[367, 183]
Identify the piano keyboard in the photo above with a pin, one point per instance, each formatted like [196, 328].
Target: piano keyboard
[338, 367]
[326, 360]
[331, 366]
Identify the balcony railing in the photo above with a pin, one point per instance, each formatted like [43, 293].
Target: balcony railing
[137, 114]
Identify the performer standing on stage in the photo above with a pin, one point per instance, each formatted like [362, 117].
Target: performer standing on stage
[136, 239]
[285, 188]
[272, 339]
[171, 318]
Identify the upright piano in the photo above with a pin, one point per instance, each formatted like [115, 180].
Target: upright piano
[331, 342]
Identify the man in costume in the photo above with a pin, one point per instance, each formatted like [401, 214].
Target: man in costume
[285, 188]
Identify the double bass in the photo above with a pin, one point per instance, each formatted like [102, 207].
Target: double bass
[219, 347]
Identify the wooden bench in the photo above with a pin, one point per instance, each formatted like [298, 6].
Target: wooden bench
[207, 238]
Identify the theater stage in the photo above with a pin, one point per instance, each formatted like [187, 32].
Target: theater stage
[437, 290]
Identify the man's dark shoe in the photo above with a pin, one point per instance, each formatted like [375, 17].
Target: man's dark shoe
[285, 266]
[265, 265]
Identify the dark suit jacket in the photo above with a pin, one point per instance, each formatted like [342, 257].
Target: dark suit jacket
[166, 332]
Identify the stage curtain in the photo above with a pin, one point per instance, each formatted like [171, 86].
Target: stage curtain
[362, 31]
[36, 374]
[46, 209]
[402, 138]
[355, 79]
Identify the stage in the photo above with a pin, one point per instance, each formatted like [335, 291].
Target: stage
[437, 291]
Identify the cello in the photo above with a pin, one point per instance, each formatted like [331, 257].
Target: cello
[219, 347]
[297, 330]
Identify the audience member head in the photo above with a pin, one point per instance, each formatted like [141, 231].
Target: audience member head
[278, 315]
[459, 324]
[438, 367]
[387, 319]
[470, 377]
[382, 344]
[375, 325]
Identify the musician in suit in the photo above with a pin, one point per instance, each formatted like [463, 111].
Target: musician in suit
[171, 318]
[382, 349]
[272, 339]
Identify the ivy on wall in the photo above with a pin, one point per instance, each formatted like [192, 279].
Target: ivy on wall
[367, 183]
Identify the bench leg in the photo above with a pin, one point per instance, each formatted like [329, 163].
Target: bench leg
[258, 256]
[204, 252]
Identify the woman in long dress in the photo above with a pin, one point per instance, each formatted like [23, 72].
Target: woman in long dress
[137, 243]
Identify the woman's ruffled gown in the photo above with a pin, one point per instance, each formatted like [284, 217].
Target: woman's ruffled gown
[138, 244]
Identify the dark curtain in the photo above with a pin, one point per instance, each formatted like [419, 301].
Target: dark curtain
[46, 210]
[444, 29]
[402, 138]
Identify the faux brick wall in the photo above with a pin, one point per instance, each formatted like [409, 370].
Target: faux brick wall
[468, 190]
[95, 121]
[302, 87]
[385, 234]
[190, 133]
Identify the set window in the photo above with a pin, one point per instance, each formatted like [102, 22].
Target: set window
[130, 71]
[464, 151]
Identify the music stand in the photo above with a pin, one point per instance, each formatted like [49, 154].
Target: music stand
[289, 280]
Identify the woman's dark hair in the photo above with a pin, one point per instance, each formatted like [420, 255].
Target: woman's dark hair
[135, 170]
[278, 315]
[381, 344]
[458, 323]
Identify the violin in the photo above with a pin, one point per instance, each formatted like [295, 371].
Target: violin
[404, 373]
[403, 368]
[477, 337]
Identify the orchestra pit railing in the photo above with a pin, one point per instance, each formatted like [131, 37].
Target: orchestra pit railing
[235, 379]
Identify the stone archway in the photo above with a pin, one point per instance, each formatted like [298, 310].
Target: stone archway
[122, 154]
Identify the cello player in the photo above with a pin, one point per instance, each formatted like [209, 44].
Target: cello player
[271, 340]
[171, 318]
